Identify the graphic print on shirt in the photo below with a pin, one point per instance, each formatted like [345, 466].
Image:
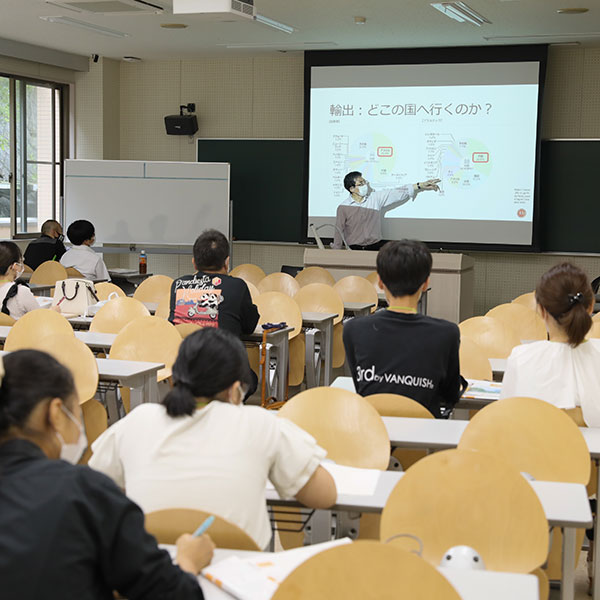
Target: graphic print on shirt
[197, 301]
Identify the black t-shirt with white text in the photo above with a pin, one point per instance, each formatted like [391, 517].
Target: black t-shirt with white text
[408, 354]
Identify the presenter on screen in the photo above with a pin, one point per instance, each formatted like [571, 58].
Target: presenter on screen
[359, 215]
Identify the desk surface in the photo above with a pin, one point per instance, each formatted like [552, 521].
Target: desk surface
[89, 338]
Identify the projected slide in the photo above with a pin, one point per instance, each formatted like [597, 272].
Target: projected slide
[472, 126]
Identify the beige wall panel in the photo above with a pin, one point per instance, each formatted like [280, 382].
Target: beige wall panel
[14, 66]
[590, 109]
[89, 113]
[111, 109]
[149, 91]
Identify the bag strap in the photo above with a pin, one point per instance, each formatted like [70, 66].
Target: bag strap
[92, 291]
[12, 292]
[64, 290]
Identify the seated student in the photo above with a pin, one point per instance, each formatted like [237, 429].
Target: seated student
[81, 257]
[211, 297]
[398, 351]
[49, 246]
[16, 299]
[565, 370]
[203, 449]
[67, 531]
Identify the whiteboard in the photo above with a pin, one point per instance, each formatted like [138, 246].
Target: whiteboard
[144, 202]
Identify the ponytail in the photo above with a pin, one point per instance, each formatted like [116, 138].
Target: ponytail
[565, 292]
[180, 401]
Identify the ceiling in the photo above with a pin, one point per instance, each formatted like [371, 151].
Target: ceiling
[318, 24]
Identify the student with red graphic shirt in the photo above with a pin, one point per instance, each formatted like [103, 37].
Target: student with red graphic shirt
[397, 351]
[210, 297]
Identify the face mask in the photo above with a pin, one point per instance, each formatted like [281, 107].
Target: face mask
[363, 190]
[72, 452]
[20, 272]
[60, 237]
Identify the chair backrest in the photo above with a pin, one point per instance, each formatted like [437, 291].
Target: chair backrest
[279, 282]
[343, 423]
[474, 364]
[6, 320]
[594, 331]
[365, 569]
[527, 300]
[373, 277]
[167, 525]
[248, 272]
[275, 307]
[95, 420]
[73, 272]
[320, 298]
[164, 306]
[27, 269]
[48, 273]
[596, 317]
[495, 338]
[357, 289]
[501, 516]
[105, 288]
[77, 357]
[310, 275]
[117, 313]
[395, 405]
[185, 329]
[254, 293]
[533, 436]
[149, 339]
[153, 288]
[34, 326]
[528, 324]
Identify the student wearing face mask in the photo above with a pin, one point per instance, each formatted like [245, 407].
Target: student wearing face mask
[67, 531]
[16, 299]
[49, 246]
[81, 256]
[203, 449]
[358, 217]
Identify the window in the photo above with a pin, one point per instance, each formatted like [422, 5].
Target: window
[31, 154]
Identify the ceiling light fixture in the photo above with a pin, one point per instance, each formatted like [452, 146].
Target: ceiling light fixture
[461, 12]
[275, 24]
[87, 26]
[572, 11]
[173, 25]
[277, 46]
[360, 20]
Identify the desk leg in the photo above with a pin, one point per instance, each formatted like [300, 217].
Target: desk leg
[320, 527]
[596, 590]
[147, 392]
[112, 405]
[283, 360]
[309, 355]
[327, 352]
[567, 586]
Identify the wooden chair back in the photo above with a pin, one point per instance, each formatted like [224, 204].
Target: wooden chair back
[596, 317]
[527, 300]
[249, 273]
[495, 338]
[279, 282]
[310, 275]
[357, 289]
[373, 277]
[6, 320]
[528, 324]
[343, 423]
[34, 326]
[365, 569]
[77, 357]
[153, 289]
[338, 356]
[474, 364]
[105, 288]
[150, 339]
[167, 525]
[73, 272]
[320, 298]
[95, 420]
[27, 269]
[501, 515]
[594, 332]
[117, 313]
[533, 436]
[395, 405]
[254, 293]
[48, 273]
[185, 329]
[275, 307]
[164, 306]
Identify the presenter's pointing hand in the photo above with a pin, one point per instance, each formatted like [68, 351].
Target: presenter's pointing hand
[430, 184]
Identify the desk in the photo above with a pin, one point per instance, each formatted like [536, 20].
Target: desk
[498, 367]
[127, 280]
[470, 585]
[323, 324]
[358, 309]
[95, 341]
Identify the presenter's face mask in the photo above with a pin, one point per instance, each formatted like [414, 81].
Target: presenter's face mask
[363, 190]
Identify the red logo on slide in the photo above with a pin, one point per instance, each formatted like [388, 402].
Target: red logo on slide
[521, 212]
[385, 151]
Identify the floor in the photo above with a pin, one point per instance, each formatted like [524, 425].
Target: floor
[581, 581]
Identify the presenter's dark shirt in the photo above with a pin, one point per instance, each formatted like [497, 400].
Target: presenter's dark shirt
[68, 533]
[407, 354]
[42, 249]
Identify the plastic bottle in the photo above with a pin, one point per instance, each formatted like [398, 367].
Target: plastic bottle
[143, 263]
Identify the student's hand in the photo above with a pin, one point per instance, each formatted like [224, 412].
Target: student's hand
[55, 308]
[430, 184]
[194, 553]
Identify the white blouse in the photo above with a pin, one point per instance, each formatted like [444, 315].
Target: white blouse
[217, 460]
[87, 261]
[20, 304]
[557, 373]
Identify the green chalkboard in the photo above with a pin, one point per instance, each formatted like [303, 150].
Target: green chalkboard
[569, 196]
[267, 179]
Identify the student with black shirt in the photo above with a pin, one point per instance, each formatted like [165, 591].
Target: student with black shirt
[49, 246]
[398, 351]
[67, 531]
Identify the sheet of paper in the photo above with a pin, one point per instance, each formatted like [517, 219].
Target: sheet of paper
[487, 390]
[351, 481]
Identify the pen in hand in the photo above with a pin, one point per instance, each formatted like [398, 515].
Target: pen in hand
[203, 528]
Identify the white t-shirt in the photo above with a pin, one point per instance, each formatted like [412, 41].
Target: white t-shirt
[20, 304]
[88, 262]
[217, 460]
[557, 373]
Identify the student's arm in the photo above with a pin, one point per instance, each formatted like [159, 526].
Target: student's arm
[27, 299]
[340, 222]
[105, 455]
[319, 491]
[248, 312]
[101, 270]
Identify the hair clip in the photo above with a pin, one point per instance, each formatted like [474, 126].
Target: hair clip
[574, 298]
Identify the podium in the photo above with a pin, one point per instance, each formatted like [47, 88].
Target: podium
[452, 277]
